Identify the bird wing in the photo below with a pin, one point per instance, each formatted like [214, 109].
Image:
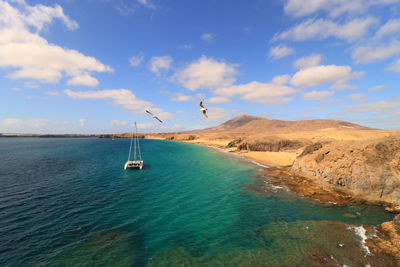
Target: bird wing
[149, 112]
[204, 113]
[158, 119]
[201, 104]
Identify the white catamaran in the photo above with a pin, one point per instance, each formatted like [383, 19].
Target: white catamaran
[135, 163]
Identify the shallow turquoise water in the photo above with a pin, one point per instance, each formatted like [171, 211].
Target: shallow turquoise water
[69, 202]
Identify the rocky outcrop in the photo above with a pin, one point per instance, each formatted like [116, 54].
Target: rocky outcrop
[388, 242]
[266, 144]
[370, 169]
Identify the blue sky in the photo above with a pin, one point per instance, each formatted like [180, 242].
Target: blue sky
[94, 66]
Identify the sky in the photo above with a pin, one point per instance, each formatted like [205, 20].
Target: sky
[95, 66]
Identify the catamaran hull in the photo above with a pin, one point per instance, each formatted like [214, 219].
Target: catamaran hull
[138, 164]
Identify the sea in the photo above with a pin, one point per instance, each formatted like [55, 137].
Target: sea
[69, 202]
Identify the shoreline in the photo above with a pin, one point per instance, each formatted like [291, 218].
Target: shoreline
[385, 243]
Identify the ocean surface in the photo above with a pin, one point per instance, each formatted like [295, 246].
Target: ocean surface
[68, 202]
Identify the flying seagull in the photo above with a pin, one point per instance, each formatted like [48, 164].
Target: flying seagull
[203, 109]
[154, 116]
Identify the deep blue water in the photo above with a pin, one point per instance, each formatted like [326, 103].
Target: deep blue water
[69, 202]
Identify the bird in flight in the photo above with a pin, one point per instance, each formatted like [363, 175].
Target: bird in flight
[154, 116]
[203, 109]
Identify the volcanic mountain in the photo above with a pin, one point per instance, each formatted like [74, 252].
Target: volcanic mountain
[246, 123]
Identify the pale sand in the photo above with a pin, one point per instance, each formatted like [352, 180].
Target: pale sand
[271, 158]
[217, 143]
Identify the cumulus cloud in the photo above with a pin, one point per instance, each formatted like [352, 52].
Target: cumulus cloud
[325, 74]
[82, 122]
[370, 54]
[218, 100]
[280, 51]
[317, 95]
[33, 57]
[272, 93]
[208, 37]
[160, 63]
[206, 73]
[180, 97]
[306, 62]
[136, 60]
[319, 29]
[334, 8]
[122, 97]
[84, 79]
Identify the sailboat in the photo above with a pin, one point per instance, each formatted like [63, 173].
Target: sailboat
[136, 163]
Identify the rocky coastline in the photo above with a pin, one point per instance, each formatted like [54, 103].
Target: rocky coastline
[341, 173]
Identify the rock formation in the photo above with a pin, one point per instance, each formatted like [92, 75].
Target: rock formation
[369, 168]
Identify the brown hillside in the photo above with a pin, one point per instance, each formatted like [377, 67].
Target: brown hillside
[246, 123]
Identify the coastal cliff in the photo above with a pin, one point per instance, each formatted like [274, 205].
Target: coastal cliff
[369, 169]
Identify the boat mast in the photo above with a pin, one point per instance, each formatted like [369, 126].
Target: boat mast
[134, 149]
[130, 148]
[137, 139]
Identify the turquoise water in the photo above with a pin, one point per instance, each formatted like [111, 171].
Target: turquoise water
[69, 202]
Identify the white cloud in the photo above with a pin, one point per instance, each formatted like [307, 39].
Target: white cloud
[391, 27]
[342, 85]
[317, 95]
[395, 66]
[280, 51]
[122, 97]
[377, 88]
[369, 54]
[126, 7]
[321, 29]
[306, 62]
[160, 63]
[136, 60]
[23, 49]
[324, 74]
[216, 115]
[217, 100]
[273, 93]
[358, 97]
[383, 107]
[84, 79]
[82, 122]
[180, 97]
[206, 73]
[334, 8]
[147, 4]
[208, 37]
[16, 89]
[34, 125]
